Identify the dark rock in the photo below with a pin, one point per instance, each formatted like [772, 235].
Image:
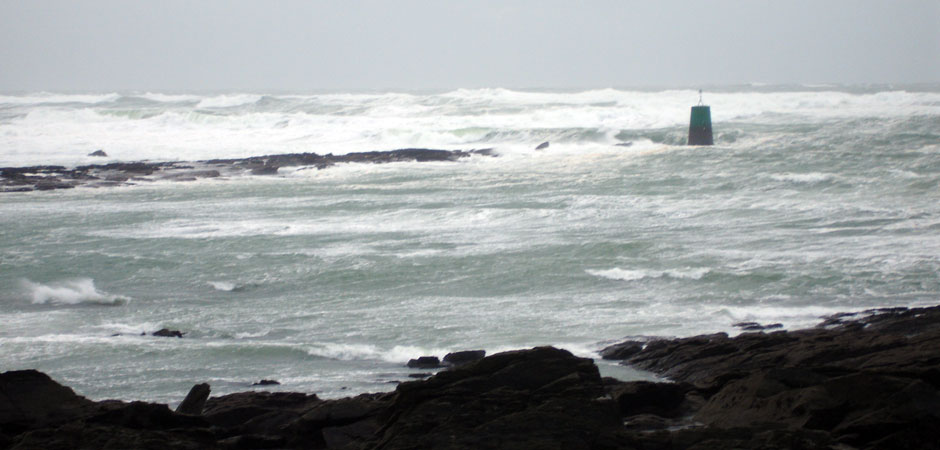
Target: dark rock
[542, 146]
[51, 183]
[343, 411]
[867, 380]
[266, 383]
[538, 398]
[29, 398]
[644, 397]
[754, 326]
[195, 401]
[425, 362]
[339, 422]
[861, 378]
[463, 357]
[142, 415]
[622, 350]
[136, 168]
[19, 179]
[624, 144]
[191, 175]
[98, 153]
[166, 332]
[234, 410]
[264, 170]
[252, 441]
[420, 375]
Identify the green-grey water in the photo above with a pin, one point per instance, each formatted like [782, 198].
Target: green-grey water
[329, 280]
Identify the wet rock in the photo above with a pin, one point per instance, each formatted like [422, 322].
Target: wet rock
[195, 401]
[542, 146]
[252, 442]
[463, 357]
[51, 183]
[622, 350]
[143, 415]
[235, 410]
[643, 397]
[98, 152]
[190, 175]
[19, 179]
[264, 170]
[29, 399]
[166, 332]
[861, 378]
[865, 380]
[266, 383]
[538, 398]
[754, 326]
[425, 362]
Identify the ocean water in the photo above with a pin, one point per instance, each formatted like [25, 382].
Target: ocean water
[814, 200]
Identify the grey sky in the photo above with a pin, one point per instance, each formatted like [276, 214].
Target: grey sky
[409, 44]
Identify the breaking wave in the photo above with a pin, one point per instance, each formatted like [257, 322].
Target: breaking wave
[70, 292]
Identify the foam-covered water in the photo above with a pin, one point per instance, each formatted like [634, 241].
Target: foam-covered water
[813, 201]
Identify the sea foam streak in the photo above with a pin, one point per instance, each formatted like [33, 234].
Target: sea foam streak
[634, 275]
[70, 292]
[395, 354]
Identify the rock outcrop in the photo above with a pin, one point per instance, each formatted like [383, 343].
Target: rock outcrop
[866, 380]
[166, 332]
[20, 179]
[861, 381]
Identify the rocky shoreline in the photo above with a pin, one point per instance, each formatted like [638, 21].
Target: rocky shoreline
[43, 178]
[862, 380]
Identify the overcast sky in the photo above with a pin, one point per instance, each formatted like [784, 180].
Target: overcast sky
[402, 44]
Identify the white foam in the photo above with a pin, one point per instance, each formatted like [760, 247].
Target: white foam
[223, 285]
[169, 98]
[229, 100]
[808, 178]
[134, 329]
[49, 129]
[70, 292]
[619, 274]
[395, 354]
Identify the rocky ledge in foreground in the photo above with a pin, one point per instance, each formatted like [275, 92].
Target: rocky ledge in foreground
[856, 381]
[19, 179]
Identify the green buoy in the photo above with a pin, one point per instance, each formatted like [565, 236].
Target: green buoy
[700, 124]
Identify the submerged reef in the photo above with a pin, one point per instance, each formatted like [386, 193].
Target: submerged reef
[865, 380]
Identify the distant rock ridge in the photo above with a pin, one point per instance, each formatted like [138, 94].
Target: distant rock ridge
[865, 380]
[41, 178]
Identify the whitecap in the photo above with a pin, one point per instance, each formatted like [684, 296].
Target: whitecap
[223, 286]
[133, 329]
[625, 275]
[689, 273]
[349, 352]
[70, 292]
[227, 101]
[168, 98]
[808, 178]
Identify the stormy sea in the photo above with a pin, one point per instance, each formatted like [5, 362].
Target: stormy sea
[813, 200]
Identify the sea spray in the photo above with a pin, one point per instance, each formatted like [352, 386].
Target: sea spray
[70, 292]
